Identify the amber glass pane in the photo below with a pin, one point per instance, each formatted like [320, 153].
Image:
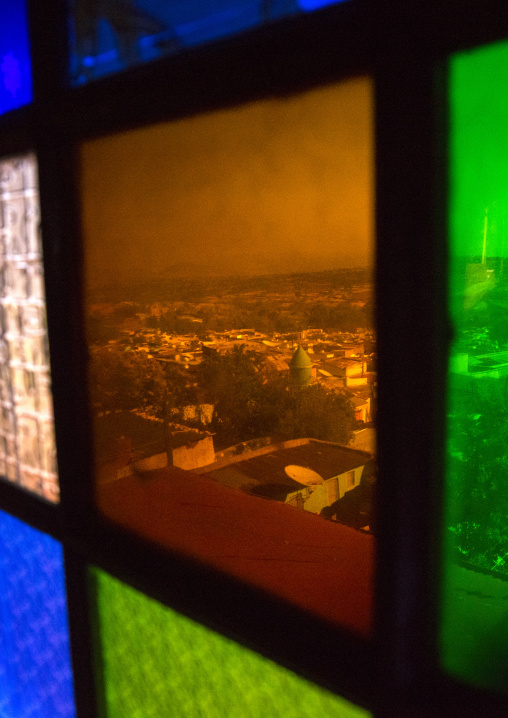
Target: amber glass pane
[475, 600]
[27, 442]
[228, 267]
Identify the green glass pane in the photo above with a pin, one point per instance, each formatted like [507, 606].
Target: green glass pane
[155, 662]
[474, 630]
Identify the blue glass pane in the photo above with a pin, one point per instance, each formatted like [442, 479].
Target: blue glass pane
[111, 35]
[309, 5]
[15, 69]
[35, 671]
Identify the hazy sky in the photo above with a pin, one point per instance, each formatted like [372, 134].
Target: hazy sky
[279, 185]
[479, 151]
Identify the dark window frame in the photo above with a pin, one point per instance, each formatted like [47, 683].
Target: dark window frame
[403, 46]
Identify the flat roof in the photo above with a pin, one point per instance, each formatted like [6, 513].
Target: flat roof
[146, 435]
[266, 467]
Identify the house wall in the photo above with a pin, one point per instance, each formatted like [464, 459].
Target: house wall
[157, 461]
[362, 411]
[356, 380]
[315, 498]
[364, 440]
[343, 487]
[193, 456]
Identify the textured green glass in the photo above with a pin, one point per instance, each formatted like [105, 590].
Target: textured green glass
[474, 628]
[155, 662]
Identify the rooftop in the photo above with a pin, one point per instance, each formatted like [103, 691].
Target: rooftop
[319, 565]
[266, 467]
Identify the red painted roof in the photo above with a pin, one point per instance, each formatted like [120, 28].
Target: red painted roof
[316, 564]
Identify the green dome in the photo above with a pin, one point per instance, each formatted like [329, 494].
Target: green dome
[300, 367]
[300, 359]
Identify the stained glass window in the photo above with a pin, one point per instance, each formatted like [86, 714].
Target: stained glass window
[27, 443]
[35, 671]
[183, 669]
[111, 35]
[15, 68]
[475, 615]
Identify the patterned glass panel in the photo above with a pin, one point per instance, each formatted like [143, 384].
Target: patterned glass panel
[111, 35]
[27, 443]
[159, 663]
[475, 607]
[15, 68]
[35, 670]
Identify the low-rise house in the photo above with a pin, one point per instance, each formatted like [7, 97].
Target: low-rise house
[305, 473]
[364, 439]
[362, 408]
[190, 449]
[485, 375]
[353, 348]
[129, 443]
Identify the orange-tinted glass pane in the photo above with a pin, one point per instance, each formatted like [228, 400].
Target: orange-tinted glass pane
[228, 277]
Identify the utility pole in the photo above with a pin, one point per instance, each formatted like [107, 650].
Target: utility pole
[485, 227]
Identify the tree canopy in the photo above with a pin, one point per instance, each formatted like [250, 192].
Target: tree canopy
[126, 381]
[252, 400]
[476, 476]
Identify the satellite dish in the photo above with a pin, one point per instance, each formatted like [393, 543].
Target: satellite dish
[303, 475]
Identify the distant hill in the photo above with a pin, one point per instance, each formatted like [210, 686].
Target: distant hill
[192, 282]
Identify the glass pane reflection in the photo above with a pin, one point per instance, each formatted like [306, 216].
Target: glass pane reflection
[110, 35]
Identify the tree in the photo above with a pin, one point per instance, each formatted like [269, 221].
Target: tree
[314, 412]
[126, 381]
[476, 474]
[233, 383]
[99, 330]
[251, 400]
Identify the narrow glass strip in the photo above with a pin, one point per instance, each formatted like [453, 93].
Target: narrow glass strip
[474, 631]
[27, 439]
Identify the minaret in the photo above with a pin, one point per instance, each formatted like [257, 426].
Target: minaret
[300, 368]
